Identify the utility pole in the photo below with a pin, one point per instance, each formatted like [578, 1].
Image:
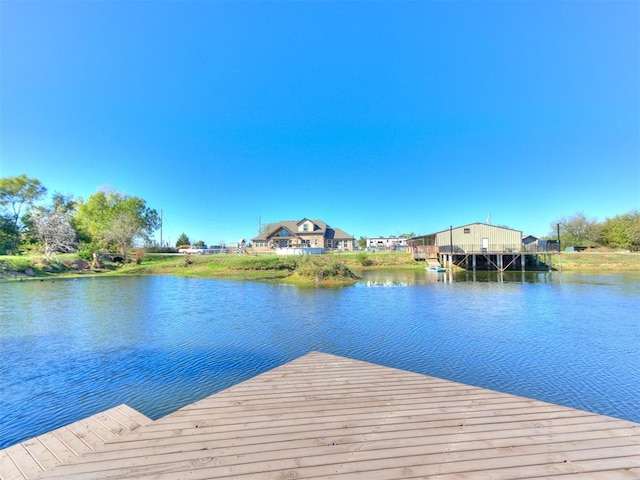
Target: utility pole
[451, 247]
[559, 249]
[161, 244]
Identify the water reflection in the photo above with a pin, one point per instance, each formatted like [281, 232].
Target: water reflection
[71, 349]
[406, 278]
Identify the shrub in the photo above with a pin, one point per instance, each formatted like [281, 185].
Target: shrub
[320, 269]
[86, 250]
[20, 264]
[363, 259]
[268, 263]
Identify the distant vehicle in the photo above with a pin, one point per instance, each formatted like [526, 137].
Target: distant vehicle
[194, 250]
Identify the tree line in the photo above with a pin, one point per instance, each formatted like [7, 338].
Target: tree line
[116, 221]
[107, 220]
[621, 232]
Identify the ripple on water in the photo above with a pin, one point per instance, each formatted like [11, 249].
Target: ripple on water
[158, 343]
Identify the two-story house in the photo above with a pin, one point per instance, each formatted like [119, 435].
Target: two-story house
[303, 233]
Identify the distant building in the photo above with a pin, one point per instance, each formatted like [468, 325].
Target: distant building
[531, 243]
[304, 233]
[483, 246]
[386, 243]
[472, 238]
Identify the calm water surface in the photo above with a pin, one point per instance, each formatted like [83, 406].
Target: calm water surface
[69, 349]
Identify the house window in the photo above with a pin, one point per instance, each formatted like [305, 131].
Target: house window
[467, 230]
[315, 242]
[305, 227]
[283, 233]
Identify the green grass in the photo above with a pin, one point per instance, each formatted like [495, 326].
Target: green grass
[375, 260]
[297, 270]
[334, 269]
[601, 261]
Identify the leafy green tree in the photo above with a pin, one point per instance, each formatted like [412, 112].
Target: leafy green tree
[622, 231]
[8, 234]
[183, 240]
[577, 230]
[115, 220]
[199, 243]
[17, 196]
[64, 203]
[362, 242]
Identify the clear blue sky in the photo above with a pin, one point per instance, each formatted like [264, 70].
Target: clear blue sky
[378, 117]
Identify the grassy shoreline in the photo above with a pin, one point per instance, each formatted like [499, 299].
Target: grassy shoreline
[330, 270]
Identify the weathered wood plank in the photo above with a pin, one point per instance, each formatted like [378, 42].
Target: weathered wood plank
[71, 441]
[40, 453]
[59, 449]
[328, 417]
[391, 420]
[21, 457]
[31, 457]
[370, 440]
[8, 468]
[128, 417]
[365, 464]
[368, 450]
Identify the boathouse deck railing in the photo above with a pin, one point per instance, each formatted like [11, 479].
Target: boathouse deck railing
[424, 251]
[480, 249]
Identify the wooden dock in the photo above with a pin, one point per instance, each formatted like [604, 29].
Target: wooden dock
[329, 417]
[30, 458]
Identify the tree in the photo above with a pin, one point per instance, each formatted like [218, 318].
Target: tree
[51, 226]
[8, 234]
[17, 194]
[622, 231]
[577, 230]
[199, 243]
[121, 232]
[64, 203]
[362, 242]
[183, 240]
[55, 232]
[116, 220]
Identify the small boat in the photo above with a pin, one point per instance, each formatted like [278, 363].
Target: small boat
[436, 268]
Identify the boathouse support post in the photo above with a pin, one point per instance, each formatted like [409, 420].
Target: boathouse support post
[473, 261]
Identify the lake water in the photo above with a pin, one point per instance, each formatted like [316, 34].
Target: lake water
[69, 349]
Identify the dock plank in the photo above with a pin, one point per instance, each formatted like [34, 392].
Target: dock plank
[323, 416]
[21, 457]
[32, 457]
[40, 453]
[8, 468]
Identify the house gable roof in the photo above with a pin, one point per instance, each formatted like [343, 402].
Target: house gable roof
[291, 226]
[475, 223]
